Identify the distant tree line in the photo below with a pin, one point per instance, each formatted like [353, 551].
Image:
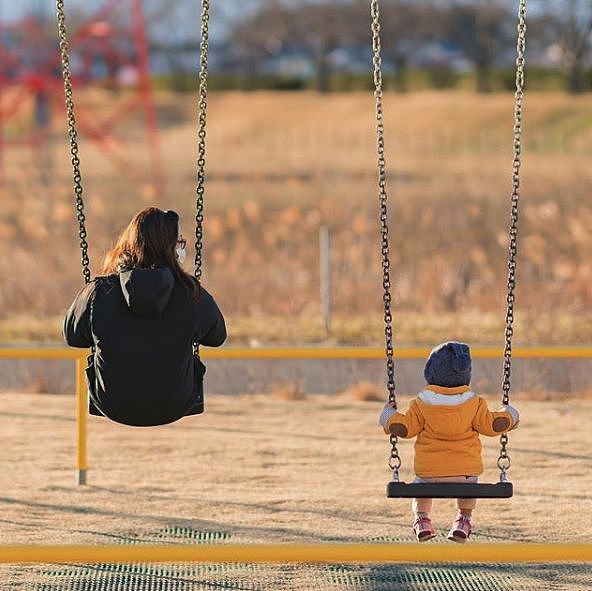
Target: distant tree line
[477, 35]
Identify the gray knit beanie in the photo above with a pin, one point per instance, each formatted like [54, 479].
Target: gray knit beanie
[449, 365]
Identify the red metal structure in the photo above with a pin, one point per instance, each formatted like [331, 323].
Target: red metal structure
[109, 51]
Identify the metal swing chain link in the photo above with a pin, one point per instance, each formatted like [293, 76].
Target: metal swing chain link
[73, 135]
[504, 461]
[201, 134]
[394, 459]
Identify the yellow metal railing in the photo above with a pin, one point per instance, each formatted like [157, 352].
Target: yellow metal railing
[289, 553]
[314, 353]
[278, 353]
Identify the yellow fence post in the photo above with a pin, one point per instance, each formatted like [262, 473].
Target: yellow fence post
[81, 421]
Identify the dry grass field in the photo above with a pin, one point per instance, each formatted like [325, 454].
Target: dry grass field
[264, 469]
[281, 165]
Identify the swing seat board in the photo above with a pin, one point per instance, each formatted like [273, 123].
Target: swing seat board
[449, 490]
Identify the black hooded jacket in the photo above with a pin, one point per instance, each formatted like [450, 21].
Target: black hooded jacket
[143, 324]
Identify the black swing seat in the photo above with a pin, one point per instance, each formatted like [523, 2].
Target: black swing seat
[449, 490]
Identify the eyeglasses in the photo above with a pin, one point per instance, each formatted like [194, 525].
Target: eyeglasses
[182, 242]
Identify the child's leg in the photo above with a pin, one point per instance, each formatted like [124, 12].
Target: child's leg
[461, 527]
[422, 524]
[421, 506]
[466, 506]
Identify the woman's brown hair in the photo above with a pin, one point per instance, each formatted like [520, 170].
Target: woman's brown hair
[149, 242]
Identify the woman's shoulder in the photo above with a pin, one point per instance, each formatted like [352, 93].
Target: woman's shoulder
[205, 298]
[106, 279]
[203, 303]
[105, 283]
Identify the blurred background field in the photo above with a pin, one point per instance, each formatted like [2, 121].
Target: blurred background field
[280, 166]
[291, 149]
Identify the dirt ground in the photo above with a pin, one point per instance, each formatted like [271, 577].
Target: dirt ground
[260, 469]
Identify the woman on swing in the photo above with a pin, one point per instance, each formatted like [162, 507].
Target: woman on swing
[143, 317]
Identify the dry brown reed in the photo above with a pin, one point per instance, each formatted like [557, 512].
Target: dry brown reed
[288, 391]
[365, 392]
[282, 165]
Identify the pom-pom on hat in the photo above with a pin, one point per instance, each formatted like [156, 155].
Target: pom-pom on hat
[449, 365]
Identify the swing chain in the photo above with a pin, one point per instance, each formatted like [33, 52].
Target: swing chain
[394, 460]
[201, 134]
[73, 135]
[504, 461]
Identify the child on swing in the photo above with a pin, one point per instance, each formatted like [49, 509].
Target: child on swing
[447, 418]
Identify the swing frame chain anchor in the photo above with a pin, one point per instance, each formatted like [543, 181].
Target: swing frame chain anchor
[503, 463]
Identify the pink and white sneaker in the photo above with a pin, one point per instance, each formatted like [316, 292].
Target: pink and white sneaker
[423, 529]
[461, 530]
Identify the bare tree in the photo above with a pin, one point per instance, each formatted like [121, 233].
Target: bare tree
[316, 28]
[320, 28]
[482, 29]
[569, 27]
[406, 24]
[260, 36]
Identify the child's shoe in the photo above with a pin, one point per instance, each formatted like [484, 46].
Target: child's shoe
[423, 529]
[461, 529]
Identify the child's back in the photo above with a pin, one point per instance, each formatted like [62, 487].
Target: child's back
[447, 423]
[447, 418]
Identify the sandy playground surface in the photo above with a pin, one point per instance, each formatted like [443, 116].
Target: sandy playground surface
[260, 469]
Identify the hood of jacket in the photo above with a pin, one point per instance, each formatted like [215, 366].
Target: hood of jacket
[147, 291]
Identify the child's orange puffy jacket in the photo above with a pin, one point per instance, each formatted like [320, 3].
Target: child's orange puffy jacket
[447, 423]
